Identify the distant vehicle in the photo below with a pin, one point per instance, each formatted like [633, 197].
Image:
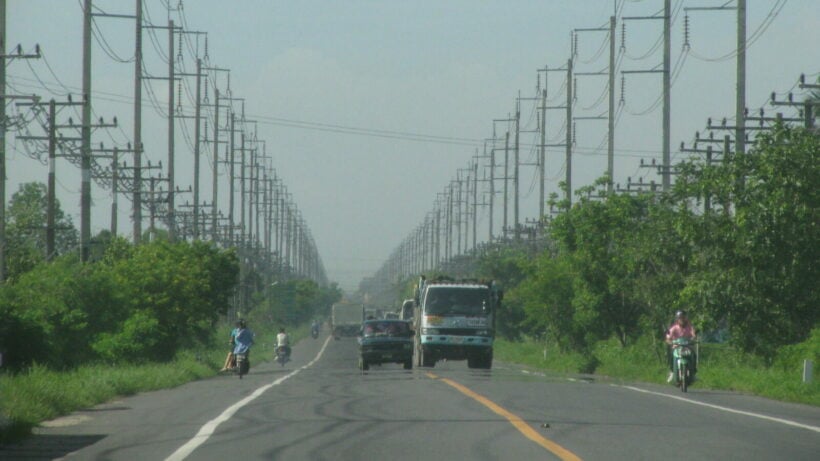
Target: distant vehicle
[385, 341]
[455, 320]
[407, 309]
[346, 319]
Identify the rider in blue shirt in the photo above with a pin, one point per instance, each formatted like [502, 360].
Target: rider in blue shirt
[243, 338]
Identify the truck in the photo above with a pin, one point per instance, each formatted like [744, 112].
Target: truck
[346, 319]
[455, 320]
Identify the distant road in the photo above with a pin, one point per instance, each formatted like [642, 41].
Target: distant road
[331, 411]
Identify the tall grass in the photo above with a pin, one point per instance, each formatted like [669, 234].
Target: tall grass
[720, 367]
[40, 394]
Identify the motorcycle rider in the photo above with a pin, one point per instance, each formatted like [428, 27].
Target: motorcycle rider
[230, 361]
[680, 328]
[314, 328]
[282, 340]
[243, 339]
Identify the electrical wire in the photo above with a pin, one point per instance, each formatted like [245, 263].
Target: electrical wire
[752, 38]
[598, 53]
[99, 37]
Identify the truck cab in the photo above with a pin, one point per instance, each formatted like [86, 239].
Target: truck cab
[455, 320]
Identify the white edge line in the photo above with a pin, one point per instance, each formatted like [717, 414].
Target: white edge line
[208, 429]
[730, 410]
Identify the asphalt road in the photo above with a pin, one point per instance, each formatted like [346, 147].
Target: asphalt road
[320, 407]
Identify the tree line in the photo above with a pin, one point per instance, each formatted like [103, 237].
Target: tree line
[735, 243]
[129, 303]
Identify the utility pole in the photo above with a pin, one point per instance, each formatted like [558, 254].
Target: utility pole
[85, 190]
[215, 178]
[492, 188]
[197, 123]
[569, 134]
[740, 101]
[542, 152]
[667, 87]
[137, 205]
[610, 150]
[667, 54]
[171, 179]
[506, 179]
[568, 109]
[4, 59]
[475, 201]
[516, 180]
[52, 161]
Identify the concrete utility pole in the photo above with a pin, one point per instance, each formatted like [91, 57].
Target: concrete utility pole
[506, 179]
[85, 189]
[667, 54]
[171, 184]
[569, 134]
[492, 188]
[4, 59]
[475, 202]
[667, 111]
[215, 178]
[516, 180]
[52, 162]
[460, 215]
[610, 151]
[231, 173]
[137, 205]
[740, 101]
[197, 123]
[542, 157]
[2, 141]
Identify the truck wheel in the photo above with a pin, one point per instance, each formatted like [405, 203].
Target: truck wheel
[426, 359]
[481, 361]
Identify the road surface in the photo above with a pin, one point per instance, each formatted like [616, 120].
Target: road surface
[320, 407]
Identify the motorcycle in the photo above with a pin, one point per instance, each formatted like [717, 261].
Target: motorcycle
[683, 362]
[282, 355]
[314, 331]
[243, 364]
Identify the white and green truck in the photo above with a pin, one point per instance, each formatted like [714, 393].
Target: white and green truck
[455, 320]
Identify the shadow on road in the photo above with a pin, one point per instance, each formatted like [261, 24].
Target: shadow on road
[42, 447]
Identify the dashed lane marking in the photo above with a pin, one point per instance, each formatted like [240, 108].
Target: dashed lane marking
[210, 427]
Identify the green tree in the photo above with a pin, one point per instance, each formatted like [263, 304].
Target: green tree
[758, 266]
[26, 225]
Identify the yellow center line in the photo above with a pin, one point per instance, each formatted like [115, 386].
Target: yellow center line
[517, 422]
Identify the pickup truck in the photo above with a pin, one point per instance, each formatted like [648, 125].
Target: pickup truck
[385, 341]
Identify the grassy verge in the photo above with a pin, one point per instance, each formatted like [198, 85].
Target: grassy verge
[40, 394]
[719, 367]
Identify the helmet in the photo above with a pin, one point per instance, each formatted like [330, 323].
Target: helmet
[680, 314]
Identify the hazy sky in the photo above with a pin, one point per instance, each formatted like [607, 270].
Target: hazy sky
[444, 69]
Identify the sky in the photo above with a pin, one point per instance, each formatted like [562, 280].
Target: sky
[368, 109]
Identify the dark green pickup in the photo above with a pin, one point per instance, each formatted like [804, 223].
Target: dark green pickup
[385, 341]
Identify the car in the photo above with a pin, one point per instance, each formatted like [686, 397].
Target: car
[385, 341]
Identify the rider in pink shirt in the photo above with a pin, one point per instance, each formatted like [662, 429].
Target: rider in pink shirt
[681, 328]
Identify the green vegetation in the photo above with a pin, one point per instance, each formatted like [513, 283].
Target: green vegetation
[76, 334]
[721, 367]
[736, 243]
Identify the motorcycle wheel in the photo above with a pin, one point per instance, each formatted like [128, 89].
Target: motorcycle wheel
[683, 378]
